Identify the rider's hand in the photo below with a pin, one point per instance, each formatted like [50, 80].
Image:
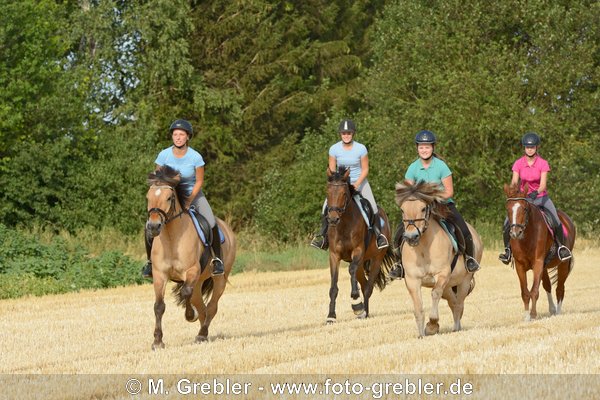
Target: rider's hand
[533, 195]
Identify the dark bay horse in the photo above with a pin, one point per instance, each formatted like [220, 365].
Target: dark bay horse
[351, 241]
[176, 254]
[533, 248]
[429, 257]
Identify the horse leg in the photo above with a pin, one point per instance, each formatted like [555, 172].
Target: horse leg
[535, 287]
[192, 275]
[212, 307]
[362, 310]
[334, 263]
[522, 274]
[357, 303]
[433, 325]
[414, 289]
[160, 285]
[564, 268]
[548, 288]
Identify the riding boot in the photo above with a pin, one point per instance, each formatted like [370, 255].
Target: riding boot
[471, 264]
[320, 240]
[147, 269]
[382, 241]
[563, 251]
[397, 271]
[507, 255]
[217, 262]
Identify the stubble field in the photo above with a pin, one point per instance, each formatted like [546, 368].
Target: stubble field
[273, 325]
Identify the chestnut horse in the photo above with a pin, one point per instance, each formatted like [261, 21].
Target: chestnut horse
[429, 257]
[350, 240]
[176, 254]
[533, 248]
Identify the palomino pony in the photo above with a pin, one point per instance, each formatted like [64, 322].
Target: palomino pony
[430, 259]
[176, 254]
[350, 240]
[533, 248]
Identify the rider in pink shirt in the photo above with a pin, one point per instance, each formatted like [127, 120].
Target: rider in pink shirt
[532, 170]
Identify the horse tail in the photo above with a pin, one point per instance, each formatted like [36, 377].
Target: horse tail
[553, 272]
[471, 285]
[206, 290]
[386, 265]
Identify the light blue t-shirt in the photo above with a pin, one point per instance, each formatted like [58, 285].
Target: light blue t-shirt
[349, 158]
[436, 171]
[186, 166]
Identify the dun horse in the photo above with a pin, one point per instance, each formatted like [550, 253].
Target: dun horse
[351, 241]
[533, 248]
[176, 254]
[430, 259]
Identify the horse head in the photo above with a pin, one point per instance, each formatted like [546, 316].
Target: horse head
[162, 199]
[418, 203]
[338, 194]
[517, 210]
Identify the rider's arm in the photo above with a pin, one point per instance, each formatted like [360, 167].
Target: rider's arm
[543, 181]
[448, 187]
[515, 179]
[332, 164]
[364, 171]
[197, 186]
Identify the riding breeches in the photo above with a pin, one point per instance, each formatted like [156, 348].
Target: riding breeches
[201, 205]
[459, 221]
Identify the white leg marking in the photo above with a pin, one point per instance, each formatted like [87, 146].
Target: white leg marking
[551, 306]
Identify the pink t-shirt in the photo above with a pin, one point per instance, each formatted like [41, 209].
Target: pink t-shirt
[531, 174]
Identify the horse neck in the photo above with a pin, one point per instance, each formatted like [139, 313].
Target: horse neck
[178, 226]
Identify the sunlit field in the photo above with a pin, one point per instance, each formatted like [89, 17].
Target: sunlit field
[274, 323]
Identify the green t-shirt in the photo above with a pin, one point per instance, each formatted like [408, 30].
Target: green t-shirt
[436, 171]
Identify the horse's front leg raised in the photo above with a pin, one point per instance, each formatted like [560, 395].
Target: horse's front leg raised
[191, 277]
[160, 283]
[334, 263]
[357, 304]
[535, 287]
[433, 325]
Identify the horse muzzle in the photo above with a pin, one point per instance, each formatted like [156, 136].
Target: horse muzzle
[333, 221]
[517, 233]
[154, 228]
[412, 238]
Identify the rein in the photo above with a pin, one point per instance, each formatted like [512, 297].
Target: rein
[523, 225]
[166, 217]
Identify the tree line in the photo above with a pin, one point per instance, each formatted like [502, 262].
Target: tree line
[90, 87]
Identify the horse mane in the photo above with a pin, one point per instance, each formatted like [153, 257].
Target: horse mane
[169, 176]
[512, 191]
[428, 192]
[338, 176]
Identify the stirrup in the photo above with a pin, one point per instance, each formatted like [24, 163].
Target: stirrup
[383, 246]
[506, 256]
[397, 271]
[569, 254]
[471, 260]
[319, 242]
[217, 266]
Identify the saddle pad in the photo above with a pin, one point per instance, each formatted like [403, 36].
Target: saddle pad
[357, 198]
[201, 233]
[452, 238]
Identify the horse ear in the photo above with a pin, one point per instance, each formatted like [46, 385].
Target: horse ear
[526, 188]
[346, 173]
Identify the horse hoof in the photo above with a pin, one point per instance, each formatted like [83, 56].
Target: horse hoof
[201, 339]
[330, 321]
[194, 317]
[361, 315]
[432, 328]
[158, 346]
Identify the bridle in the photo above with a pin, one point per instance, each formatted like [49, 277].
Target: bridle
[339, 210]
[165, 217]
[523, 225]
[413, 222]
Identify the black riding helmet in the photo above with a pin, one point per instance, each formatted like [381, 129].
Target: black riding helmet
[531, 139]
[182, 124]
[425, 137]
[347, 125]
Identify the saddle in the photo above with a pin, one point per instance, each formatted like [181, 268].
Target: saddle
[457, 238]
[370, 217]
[552, 225]
[205, 233]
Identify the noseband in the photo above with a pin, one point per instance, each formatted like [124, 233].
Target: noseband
[165, 217]
[523, 225]
[413, 222]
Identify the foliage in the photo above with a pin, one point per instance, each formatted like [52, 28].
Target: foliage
[29, 267]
